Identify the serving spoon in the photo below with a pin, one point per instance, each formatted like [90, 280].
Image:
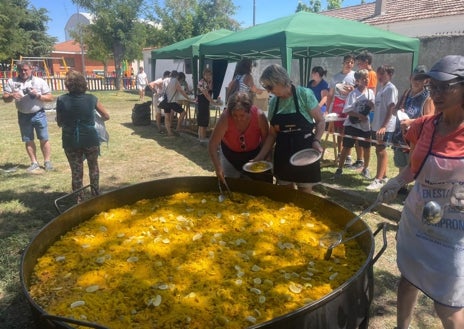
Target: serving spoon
[433, 212]
[333, 239]
[222, 197]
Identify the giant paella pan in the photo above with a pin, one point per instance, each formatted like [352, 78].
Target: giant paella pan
[344, 305]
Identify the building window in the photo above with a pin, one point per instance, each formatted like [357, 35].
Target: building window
[70, 61]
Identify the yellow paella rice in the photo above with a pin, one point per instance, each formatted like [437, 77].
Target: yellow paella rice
[259, 166]
[189, 261]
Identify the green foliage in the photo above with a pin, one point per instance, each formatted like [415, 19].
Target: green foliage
[214, 15]
[115, 28]
[23, 31]
[334, 4]
[97, 50]
[176, 17]
[314, 6]
[183, 19]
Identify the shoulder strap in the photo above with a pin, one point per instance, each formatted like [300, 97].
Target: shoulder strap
[295, 100]
[435, 119]
[402, 101]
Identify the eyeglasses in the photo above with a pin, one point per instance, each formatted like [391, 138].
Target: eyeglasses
[241, 138]
[268, 87]
[441, 88]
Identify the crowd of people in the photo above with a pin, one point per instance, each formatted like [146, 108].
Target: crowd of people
[425, 126]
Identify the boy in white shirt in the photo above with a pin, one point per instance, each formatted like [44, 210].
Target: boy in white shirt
[383, 123]
[358, 105]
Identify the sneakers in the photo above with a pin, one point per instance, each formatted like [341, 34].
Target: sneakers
[33, 166]
[338, 173]
[48, 166]
[358, 164]
[366, 173]
[376, 184]
[348, 161]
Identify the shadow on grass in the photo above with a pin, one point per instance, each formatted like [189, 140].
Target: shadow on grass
[19, 223]
[184, 144]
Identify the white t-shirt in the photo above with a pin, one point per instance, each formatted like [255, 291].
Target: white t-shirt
[28, 104]
[343, 78]
[355, 101]
[171, 89]
[386, 95]
[141, 79]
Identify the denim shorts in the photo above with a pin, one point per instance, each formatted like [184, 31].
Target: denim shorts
[387, 138]
[400, 158]
[28, 122]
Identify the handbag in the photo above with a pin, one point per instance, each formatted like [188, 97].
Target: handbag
[100, 127]
[164, 102]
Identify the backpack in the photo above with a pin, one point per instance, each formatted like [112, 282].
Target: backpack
[141, 114]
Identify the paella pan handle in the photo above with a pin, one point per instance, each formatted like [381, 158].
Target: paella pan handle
[74, 194]
[57, 319]
[382, 227]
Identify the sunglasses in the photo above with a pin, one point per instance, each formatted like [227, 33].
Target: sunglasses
[441, 88]
[241, 138]
[268, 87]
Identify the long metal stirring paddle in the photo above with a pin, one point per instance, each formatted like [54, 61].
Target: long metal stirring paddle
[333, 239]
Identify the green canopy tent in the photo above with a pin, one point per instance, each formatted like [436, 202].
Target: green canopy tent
[188, 49]
[304, 36]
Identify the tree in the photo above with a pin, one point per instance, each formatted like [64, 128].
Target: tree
[98, 50]
[176, 18]
[183, 19]
[314, 6]
[334, 4]
[214, 15]
[23, 31]
[116, 28]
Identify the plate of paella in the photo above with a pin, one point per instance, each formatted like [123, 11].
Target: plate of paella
[257, 166]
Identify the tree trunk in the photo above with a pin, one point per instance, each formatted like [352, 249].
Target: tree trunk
[118, 52]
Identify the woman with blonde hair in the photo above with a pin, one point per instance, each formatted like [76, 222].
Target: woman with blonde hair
[296, 124]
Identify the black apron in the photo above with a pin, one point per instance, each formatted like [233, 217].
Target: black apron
[294, 133]
[238, 159]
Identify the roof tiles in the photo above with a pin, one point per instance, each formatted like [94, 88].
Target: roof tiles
[399, 11]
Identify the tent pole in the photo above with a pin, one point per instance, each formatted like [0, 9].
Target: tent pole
[195, 74]
[286, 54]
[309, 61]
[201, 66]
[153, 69]
[302, 64]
